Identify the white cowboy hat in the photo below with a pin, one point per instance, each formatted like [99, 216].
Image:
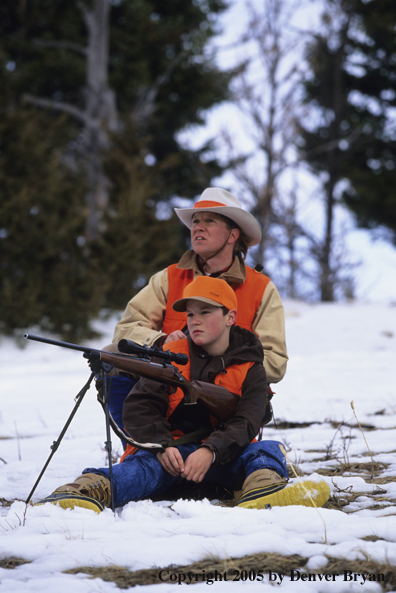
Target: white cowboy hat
[222, 202]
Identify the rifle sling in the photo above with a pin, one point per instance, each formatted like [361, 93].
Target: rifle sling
[196, 435]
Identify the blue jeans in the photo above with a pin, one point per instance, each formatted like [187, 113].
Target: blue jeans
[119, 387]
[142, 476]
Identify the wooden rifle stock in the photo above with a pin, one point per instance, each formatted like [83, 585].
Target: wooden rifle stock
[220, 402]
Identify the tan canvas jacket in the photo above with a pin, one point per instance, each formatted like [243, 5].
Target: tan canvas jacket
[143, 316]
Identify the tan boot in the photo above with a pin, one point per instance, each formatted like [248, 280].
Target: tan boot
[89, 491]
[265, 488]
[262, 478]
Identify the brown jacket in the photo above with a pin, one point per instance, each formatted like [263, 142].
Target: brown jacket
[143, 316]
[146, 406]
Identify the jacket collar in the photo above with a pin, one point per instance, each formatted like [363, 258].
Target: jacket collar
[244, 347]
[236, 273]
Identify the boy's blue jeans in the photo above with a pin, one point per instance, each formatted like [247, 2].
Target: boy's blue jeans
[142, 476]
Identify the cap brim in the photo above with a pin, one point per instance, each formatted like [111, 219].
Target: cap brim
[180, 305]
[242, 218]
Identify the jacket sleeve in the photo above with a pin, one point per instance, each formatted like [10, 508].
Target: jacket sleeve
[144, 412]
[269, 326]
[240, 430]
[143, 317]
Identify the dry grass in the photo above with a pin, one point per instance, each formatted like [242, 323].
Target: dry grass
[12, 562]
[367, 471]
[124, 578]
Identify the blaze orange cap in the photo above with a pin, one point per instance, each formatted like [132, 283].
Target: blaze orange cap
[212, 291]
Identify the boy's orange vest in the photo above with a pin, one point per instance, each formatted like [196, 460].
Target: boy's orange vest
[232, 380]
[249, 295]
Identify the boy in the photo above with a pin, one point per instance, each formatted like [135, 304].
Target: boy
[222, 353]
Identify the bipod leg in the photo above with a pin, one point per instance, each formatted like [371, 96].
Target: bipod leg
[78, 399]
[108, 444]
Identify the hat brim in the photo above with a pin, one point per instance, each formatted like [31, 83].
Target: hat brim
[180, 304]
[242, 218]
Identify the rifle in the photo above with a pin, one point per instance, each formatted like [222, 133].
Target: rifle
[220, 402]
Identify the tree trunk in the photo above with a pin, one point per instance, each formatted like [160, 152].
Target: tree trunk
[100, 114]
[328, 275]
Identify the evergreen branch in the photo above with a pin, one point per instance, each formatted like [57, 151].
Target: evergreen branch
[331, 145]
[145, 105]
[57, 106]
[62, 45]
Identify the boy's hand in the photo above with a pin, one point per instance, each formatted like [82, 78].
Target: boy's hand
[176, 335]
[197, 464]
[171, 461]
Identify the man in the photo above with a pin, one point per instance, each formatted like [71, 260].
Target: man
[221, 353]
[221, 233]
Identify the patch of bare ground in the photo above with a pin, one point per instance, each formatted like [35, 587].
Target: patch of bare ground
[341, 498]
[367, 470]
[124, 578]
[12, 562]
[6, 503]
[364, 426]
[232, 569]
[285, 425]
[385, 571]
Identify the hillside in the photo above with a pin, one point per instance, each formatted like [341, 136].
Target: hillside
[339, 353]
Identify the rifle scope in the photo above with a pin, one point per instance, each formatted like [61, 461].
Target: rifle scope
[130, 347]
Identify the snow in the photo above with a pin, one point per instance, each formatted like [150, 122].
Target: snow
[338, 353]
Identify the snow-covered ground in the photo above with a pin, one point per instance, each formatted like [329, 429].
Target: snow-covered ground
[338, 353]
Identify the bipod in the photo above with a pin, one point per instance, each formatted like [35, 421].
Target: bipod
[108, 445]
[104, 368]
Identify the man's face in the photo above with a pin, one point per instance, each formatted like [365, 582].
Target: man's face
[209, 233]
[208, 326]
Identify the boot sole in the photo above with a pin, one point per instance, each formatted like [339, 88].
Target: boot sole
[314, 494]
[69, 501]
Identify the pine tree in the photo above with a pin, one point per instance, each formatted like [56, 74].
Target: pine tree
[323, 137]
[46, 278]
[351, 137]
[120, 79]
[371, 165]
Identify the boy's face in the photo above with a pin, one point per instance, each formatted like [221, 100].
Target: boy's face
[209, 327]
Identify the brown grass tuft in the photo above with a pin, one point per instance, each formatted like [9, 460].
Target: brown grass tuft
[12, 562]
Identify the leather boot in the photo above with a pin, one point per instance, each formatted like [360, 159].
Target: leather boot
[265, 488]
[89, 491]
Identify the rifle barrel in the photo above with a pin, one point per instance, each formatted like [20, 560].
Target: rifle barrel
[58, 343]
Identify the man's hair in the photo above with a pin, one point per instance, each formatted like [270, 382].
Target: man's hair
[241, 244]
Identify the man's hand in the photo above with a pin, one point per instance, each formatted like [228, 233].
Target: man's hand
[176, 335]
[171, 461]
[197, 464]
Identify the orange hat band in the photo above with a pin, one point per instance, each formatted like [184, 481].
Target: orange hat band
[208, 204]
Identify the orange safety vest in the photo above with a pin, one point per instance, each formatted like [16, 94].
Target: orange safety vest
[249, 295]
[232, 380]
